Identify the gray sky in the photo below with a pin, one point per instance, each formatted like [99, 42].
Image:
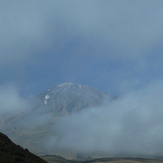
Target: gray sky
[112, 45]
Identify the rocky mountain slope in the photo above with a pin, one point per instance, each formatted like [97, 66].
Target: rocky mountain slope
[70, 97]
[12, 153]
[31, 129]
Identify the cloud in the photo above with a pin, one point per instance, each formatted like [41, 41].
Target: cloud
[114, 28]
[88, 34]
[111, 28]
[11, 102]
[23, 30]
[129, 126]
[12, 106]
[112, 43]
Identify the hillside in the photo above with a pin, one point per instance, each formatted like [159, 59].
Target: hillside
[31, 129]
[12, 153]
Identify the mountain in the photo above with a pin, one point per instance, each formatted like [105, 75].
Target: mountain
[33, 128]
[12, 153]
[68, 98]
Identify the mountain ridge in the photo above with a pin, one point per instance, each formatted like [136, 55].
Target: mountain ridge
[32, 129]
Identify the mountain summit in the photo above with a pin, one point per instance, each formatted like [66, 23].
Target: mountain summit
[67, 98]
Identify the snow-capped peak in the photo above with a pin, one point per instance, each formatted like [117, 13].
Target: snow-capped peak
[65, 84]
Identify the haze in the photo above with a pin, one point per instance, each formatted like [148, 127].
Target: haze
[112, 45]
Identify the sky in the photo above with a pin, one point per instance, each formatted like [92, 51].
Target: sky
[112, 45]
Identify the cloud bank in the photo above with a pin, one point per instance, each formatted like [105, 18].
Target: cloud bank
[12, 105]
[129, 126]
[11, 101]
[114, 40]
[130, 29]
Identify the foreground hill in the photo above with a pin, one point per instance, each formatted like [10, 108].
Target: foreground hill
[12, 153]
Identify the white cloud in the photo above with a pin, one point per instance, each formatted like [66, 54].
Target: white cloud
[131, 125]
[11, 102]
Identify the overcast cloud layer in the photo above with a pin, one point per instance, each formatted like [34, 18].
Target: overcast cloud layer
[111, 45]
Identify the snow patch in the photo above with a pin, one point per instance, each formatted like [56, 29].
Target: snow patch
[47, 97]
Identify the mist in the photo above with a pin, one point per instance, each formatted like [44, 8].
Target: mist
[114, 46]
[128, 126]
[11, 100]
